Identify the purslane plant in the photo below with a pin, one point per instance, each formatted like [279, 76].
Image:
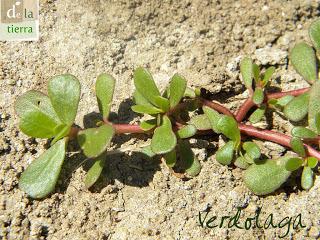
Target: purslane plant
[176, 115]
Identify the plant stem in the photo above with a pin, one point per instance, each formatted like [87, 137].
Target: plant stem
[216, 106]
[128, 128]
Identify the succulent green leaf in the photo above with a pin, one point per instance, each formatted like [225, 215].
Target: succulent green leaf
[213, 117]
[163, 140]
[297, 146]
[302, 132]
[177, 89]
[95, 171]
[265, 177]
[201, 122]
[283, 101]
[146, 109]
[314, 105]
[187, 131]
[317, 122]
[189, 93]
[312, 162]
[171, 158]
[303, 59]
[94, 141]
[190, 162]
[228, 126]
[314, 33]
[162, 103]
[297, 108]
[246, 72]
[60, 132]
[40, 177]
[256, 72]
[148, 124]
[252, 149]
[64, 94]
[37, 116]
[307, 178]
[139, 99]
[258, 114]
[148, 151]
[145, 84]
[105, 85]
[225, 154]
[241, 162]
[267, 75]
[258, 96]
[293, 164]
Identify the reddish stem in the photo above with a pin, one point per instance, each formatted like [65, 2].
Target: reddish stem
[217, 107]
[292, 93]
[128, 128]
[244, 109]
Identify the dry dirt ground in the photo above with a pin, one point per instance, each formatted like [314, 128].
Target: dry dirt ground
[138, 198]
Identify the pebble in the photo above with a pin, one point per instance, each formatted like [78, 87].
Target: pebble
[269, 55]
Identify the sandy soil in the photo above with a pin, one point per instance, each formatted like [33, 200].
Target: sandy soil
[138, 198]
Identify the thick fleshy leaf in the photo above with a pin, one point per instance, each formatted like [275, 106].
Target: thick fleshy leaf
[163, 140]
[171, 158]
[37, 116]
[307, 178]
[187, 131]
[258, 96]
[201, 122]
[60, 132]
[267, 75]
[64, 94]
[225, 154]
[213, 117]
[229, 127]
[189, 93]
[283, 101]
[312, 162]
[314, 33]
[317, 122]
[104, 91]
[40, 177]
[241, 162]
[177, 89]
[190, 162]
[256, 72]
[246, 72]
[139, 99]
[148, 124]
[148, 151]
[162, 103]
[293, 164]
[266, 177]
[146, 109]
[258, 114]
[252, 149]
[297, 146]
[297, 108]
[303, 59]
[314, 105]
[95, 171]
[94, 141]
[302, 132]
[145, 84]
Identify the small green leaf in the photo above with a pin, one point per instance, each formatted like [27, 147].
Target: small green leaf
[241, 162]
[148, 151]
[189, 93]
[201, 122]
[312, 162]
[190, 162]
[293, 164]
[162, 103]
[258, 96]
[145, 84]
[60, 132]
[314, 105]
[314, 33]
[94, 141]
[146, 109]
[213, 117]
[37, 116]
[225, 154]
[95, 171]
[303, 59]
[297, 108]
[256, 72]
[105, 85]
[40, 177]
[283, 101]
[297, 146]
[267, 75]
[163, 140]
[252, 149]
[307, 178]
[266, 177]
[258, 114]
[177, 89]
[171, 158]
[140, 100]
[64, 94]
[246, 72]
[302, 132]
[228, 126]
[187, 131]
[148, 124]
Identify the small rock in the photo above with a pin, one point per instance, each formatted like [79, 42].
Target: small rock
[269, 55]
